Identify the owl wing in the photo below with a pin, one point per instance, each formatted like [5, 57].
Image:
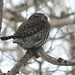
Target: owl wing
[29, 28]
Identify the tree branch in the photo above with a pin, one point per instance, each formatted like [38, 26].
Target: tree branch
[1, 10]
[57, 23]
[1, 72]
[62, 37]
[55, 61]
[64, 15]
[29, 54]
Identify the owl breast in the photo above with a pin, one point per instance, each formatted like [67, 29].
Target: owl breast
[33, 41]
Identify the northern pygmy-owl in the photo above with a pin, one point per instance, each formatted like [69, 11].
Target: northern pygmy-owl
[33, 33]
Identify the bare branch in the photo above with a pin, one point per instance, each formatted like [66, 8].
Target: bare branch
[21, 63]
[64, 15]
[1, 72]
[57, 23]
[1, 9]
[62, 37]
[55, 61]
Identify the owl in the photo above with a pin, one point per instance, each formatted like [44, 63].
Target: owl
[32, 33]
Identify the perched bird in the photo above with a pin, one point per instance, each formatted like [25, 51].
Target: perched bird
[33, 33]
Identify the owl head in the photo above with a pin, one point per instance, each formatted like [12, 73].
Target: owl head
[38, 16]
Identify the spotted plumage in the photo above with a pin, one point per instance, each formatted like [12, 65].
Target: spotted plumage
[33, 33]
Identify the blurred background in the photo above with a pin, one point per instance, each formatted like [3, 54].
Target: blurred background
[61, 42]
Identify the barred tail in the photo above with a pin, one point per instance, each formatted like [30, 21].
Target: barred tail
[7, 37]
